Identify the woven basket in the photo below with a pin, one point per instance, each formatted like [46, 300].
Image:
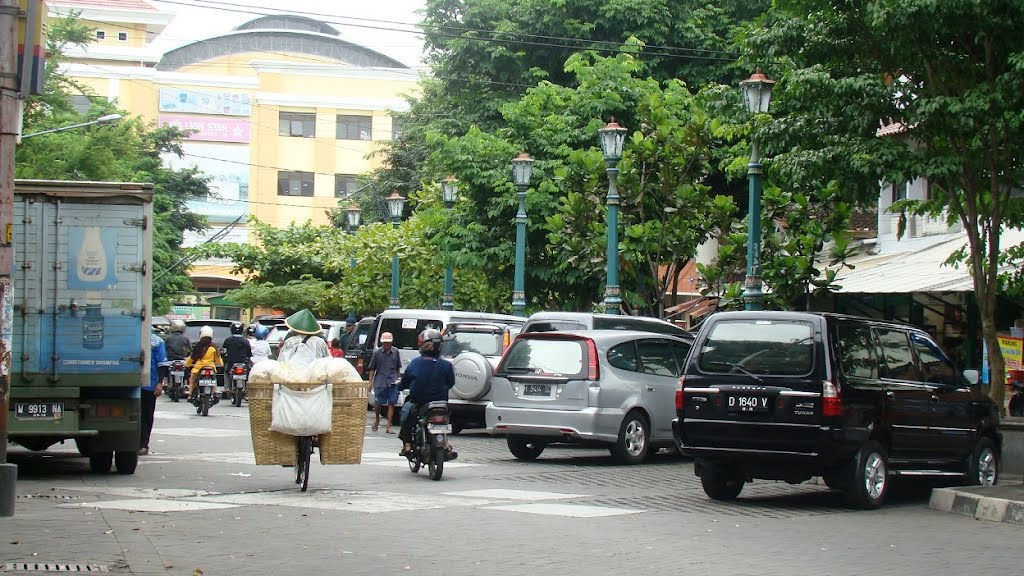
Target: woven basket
[344, 445]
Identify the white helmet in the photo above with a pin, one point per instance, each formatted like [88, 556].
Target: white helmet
[177, 325]
[206, 331]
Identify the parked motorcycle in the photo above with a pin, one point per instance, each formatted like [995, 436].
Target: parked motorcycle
[430, 440]
[206, 391]
[1016, 407]
[238, 375]
[175, 387]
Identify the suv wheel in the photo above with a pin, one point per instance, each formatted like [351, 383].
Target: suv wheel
[983, 467]
[719, 483]
[869, 481]
[633, 442]
[524, 448]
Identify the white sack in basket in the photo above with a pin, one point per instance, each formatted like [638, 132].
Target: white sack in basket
[271, 371]
[301, 412]
[333, 370]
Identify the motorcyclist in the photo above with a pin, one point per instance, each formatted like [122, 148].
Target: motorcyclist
[428, 378]
[205, 355]
[258, 342]
[236, 348]
[178, 345]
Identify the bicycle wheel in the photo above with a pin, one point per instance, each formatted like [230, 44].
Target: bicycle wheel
[304, 448]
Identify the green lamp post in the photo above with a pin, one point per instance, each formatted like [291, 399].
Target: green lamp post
[449, 195]
[612, 138]
[354, 213]
[522, 167]
[396, 204]
[757, 93]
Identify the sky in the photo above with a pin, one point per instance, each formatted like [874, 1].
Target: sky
[381, 25]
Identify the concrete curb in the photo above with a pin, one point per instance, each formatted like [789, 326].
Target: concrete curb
[980, 507]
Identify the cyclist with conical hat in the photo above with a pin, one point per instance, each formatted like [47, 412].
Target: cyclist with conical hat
[303, 342]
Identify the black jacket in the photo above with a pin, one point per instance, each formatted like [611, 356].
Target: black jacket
[236, 350]
[178, 346]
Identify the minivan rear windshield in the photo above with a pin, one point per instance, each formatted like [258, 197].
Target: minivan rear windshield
[767, 347]
[545, 356]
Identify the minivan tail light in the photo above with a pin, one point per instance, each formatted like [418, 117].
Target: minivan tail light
[831, 405]
[592, 371]
[680, 401]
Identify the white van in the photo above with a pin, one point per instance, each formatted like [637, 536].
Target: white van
[406, 324]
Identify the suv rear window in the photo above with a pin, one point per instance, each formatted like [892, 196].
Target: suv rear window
[769, 347]
[633, 323]
[407, 330]
[556, 326]
[220, 331]
[483, 343]
[546, 357]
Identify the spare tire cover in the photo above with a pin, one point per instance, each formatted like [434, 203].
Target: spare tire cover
[472, 376]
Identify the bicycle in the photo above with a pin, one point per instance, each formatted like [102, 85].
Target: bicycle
[304, 446]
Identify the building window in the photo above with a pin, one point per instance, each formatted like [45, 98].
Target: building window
[396, 128]
[899, 191]
[354, 127]
[294, 183]
[299, 124]
[344, 185]
[100, 34]
[122, 36]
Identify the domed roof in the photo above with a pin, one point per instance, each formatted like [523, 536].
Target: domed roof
[279, 34]
[287, 22]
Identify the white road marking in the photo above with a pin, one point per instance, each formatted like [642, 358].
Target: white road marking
[524, 495]
[150, 505]
[131, 492]
[570, 510]
[355, 501]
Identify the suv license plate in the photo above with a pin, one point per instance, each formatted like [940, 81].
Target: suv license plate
[41, 410]
[748, 403]
[536, 390]
[439, 428]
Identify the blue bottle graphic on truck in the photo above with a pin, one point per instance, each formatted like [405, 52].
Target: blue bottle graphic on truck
[82, 303]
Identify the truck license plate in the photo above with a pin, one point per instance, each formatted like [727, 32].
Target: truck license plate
[40, 410]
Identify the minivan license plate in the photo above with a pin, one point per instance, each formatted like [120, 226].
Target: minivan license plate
[748, 403]
[536, 390]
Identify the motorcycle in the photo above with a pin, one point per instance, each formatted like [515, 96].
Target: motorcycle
[206, 391]
[1016, 407]
[239, 374]
[175, 387]
[430, 440]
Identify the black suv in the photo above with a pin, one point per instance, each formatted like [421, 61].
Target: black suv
[792, 395]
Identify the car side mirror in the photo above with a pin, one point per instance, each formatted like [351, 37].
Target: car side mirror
[972, 377]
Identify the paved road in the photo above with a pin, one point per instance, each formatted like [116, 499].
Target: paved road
[199, 503]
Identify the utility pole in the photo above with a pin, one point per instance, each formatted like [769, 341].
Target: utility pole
[10, 122]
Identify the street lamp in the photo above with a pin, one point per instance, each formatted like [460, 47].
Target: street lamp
[396, 204]
[522, 167]
[450, 195]
[757, 93]
[354, 213]
[612, 137]
[101, 120]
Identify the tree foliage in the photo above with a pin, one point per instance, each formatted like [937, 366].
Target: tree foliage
[954, 88]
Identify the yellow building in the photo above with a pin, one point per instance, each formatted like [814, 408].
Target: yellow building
[286, 113]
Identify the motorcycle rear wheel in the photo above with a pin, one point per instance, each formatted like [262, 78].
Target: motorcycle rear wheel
[236, 397]
[205, 406]
[173, 394]
[436, 465]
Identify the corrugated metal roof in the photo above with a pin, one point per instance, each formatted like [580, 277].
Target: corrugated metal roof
[917, 271]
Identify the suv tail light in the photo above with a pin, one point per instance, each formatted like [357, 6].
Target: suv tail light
[592, 371]
[831, 404]
[680, 401]
[505, 341]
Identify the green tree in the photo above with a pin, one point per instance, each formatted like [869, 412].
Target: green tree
[954, 86]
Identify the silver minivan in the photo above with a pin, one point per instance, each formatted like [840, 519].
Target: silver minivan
[406, 324]
[612, 388]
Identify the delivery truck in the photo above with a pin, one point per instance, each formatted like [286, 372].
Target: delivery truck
[80, 333]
